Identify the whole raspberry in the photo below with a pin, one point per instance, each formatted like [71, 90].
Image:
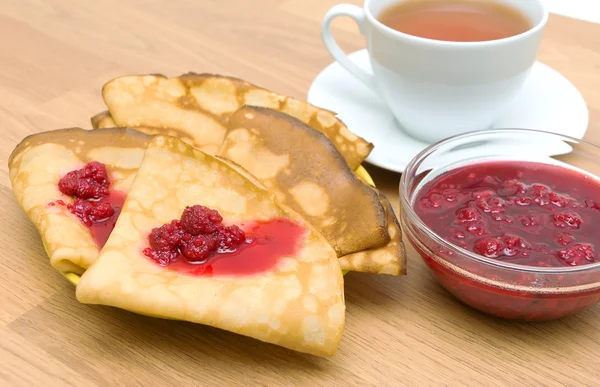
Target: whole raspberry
[489, 247]
[230, 238]
[578, 254]
[166, 237]
[89, 182]
[200, 248]
[198, 219]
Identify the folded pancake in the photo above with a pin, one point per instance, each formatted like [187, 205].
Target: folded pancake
[388, 259]
[41, 160]
[199, 106]
[297, 302]
[309, 175]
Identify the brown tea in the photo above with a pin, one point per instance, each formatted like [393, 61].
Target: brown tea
[455, 20]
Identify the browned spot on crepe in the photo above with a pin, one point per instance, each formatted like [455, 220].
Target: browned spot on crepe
[37, 164]
[388, 259]
[200, 105]
[309, 175]
[299, 304]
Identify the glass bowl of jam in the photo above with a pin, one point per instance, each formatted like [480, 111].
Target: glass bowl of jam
[508, 220]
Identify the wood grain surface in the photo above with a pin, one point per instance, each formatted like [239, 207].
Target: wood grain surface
[55, 55]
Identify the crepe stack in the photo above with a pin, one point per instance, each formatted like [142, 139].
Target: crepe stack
[170, 145]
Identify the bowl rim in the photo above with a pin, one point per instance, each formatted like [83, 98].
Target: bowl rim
[409, 211]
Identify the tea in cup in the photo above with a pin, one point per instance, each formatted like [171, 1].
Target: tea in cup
[444, 67]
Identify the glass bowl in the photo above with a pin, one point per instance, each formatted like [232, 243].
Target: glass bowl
[501, 289]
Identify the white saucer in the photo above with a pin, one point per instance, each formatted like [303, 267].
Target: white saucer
[547, 102]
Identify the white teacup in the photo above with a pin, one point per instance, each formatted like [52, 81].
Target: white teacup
[434, 88]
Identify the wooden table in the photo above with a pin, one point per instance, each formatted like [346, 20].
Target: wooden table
[54, 57]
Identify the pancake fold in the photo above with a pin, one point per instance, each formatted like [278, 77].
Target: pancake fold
[308, 174]
[38, 163]
[197, 108]
[297, 304]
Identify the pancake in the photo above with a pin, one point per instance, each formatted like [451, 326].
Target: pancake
[198, 108]
[41, 160]
[388, 259]
[297, 303]
[309, 175]
[103, 120]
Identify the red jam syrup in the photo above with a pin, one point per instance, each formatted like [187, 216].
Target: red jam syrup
[522, 213]
[199, 244]
[95, 204]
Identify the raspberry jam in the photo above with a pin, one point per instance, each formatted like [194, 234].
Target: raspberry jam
[90, 182]
[523, 213]
[200, 244]
[94, 203]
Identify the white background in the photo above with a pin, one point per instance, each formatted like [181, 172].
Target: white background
[580, 9]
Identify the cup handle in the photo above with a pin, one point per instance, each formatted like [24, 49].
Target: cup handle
[334, 49]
